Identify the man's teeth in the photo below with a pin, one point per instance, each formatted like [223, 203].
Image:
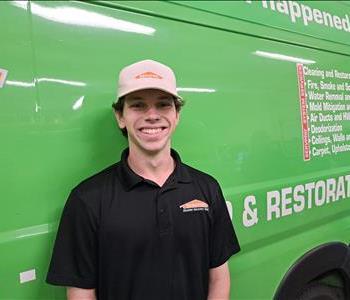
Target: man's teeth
[151, 130]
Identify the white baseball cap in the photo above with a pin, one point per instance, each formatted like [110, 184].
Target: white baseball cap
[147, 74]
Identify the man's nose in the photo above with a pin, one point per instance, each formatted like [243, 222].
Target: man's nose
[152, 113]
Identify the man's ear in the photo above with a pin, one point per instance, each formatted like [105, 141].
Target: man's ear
[120, 119]
[177, 117]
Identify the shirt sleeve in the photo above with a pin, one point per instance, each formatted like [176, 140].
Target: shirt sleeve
[224, 242]
[74, 257]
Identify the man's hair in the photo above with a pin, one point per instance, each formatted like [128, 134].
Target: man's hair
[119, 106]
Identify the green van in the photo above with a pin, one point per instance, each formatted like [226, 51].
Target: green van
[267, 90]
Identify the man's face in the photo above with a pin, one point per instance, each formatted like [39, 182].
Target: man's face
[150, 118]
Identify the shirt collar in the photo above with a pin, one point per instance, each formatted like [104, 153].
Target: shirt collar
[131, 179]
[181, 172]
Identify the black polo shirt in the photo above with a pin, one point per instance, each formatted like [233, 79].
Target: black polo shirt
[129, 238]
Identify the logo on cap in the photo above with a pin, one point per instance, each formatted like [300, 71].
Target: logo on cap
[148, 75]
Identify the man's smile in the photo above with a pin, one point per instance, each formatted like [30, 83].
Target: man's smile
[152, 130]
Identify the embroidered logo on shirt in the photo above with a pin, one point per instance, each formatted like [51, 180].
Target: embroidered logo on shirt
[195, 205]
[148, 75]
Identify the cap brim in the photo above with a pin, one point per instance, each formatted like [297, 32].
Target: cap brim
[148, 88]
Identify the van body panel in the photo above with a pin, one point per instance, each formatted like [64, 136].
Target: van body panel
[241, 123]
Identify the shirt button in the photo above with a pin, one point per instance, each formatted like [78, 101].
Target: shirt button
[161, 210]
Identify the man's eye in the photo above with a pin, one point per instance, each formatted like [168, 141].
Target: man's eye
[165, 104]
[136, 105]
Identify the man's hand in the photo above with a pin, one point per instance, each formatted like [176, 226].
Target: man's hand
[219, 283]
[74, 293]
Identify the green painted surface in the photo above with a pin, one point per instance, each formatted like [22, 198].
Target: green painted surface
[322, 19]
[241, 123]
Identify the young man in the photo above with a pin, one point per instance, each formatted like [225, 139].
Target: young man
[148, 227]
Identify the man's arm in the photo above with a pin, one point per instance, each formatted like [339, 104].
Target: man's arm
[74, 293]
[219, 283]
